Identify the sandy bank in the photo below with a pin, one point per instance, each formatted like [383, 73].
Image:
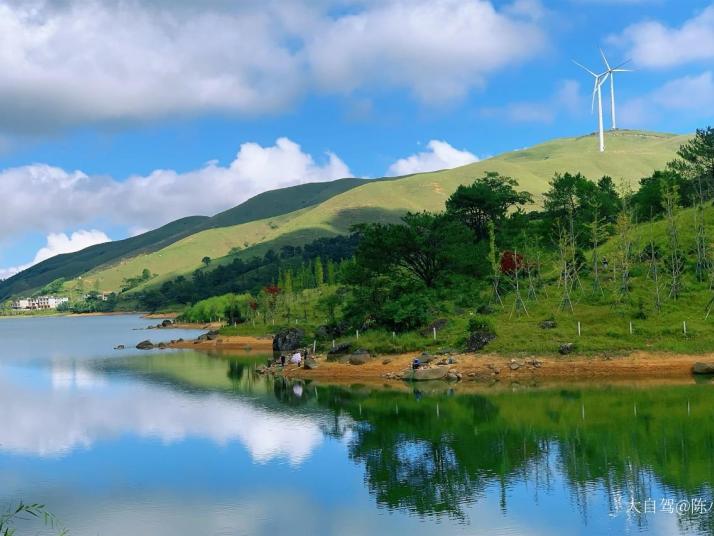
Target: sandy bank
[478, 367]
[254, 344]
[492, 367]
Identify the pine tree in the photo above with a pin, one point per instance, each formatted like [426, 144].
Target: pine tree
[518, 303]
[495, 267]
[331, 275]
[624, 254]
[319, 273]
[598, 235]
[675, 254]
[288, 281]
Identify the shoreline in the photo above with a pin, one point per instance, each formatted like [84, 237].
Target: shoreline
[475, 367]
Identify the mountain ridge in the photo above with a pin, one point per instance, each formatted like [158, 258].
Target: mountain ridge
[630, 155]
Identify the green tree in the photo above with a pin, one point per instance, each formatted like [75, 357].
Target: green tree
[319, 273]
[571, 200]
[425, 246]
[206, 260]
[331, 272]
[487, 199]
[695, 161]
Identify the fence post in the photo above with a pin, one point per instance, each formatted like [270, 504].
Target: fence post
[394, 334]
[684, 326]
[333, 343]
[578, 328]
[434, 333]
[630, 327]
[314, 345]
[357, 331]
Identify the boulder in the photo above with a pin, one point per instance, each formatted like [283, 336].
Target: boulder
[119, 347]
[514, 365]
[386, 361]
[566, 348]
[288, 339]
[703, 368]
[426, 358]
[478, 339]
[309, 364]
[452, 377]
[425, 374]
[548, 324]
[145, 345]
[340, 349]
[358, 359]
[166, 323]
[162, 346]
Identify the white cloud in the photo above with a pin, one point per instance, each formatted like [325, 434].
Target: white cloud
[85, 60]
[688, 94]
[438, 49]
[58, 243]
[81, 62]
[652, 44]
[165, 195]
[58, 199]
[440, 155]
[62, 420]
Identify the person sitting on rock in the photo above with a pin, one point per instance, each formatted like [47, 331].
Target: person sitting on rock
[416, 364]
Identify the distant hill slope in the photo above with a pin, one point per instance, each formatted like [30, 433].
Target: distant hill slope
[265, 205]
[630, 155]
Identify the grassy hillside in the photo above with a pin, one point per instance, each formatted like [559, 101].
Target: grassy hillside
[605, 317]
[629, 155]
[265, 205]
[71, 265]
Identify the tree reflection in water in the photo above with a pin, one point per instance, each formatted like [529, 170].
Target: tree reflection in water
[433, 454]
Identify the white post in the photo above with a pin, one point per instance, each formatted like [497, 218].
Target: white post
[578, 328]
[357, 331]
[684, 326]
[434, 333]
[394, 334]
[630, 327]
[314, 346]
[333, 343]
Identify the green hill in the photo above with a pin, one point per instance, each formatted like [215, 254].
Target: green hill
[265, 205]
[296, 216]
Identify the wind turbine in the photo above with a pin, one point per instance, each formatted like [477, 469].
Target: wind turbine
[611, 72]
[599, 81]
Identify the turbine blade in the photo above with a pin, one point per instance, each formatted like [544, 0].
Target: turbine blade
[592, 104]
[604, 59]
[622, 70]
[583, 67]
[623, 63]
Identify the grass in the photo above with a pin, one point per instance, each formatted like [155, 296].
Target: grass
[630, 155]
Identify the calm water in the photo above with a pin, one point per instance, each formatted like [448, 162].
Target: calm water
[177, 442]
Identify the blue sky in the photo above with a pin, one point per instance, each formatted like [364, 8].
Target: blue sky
[118, 116]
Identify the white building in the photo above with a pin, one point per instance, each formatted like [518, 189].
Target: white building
[40, 302]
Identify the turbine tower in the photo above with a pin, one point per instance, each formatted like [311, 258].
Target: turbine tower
[599, 81]
[611, 72]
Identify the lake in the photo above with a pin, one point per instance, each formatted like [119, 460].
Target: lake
[179, 442]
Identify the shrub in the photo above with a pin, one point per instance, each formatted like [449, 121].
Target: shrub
[480, 323]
